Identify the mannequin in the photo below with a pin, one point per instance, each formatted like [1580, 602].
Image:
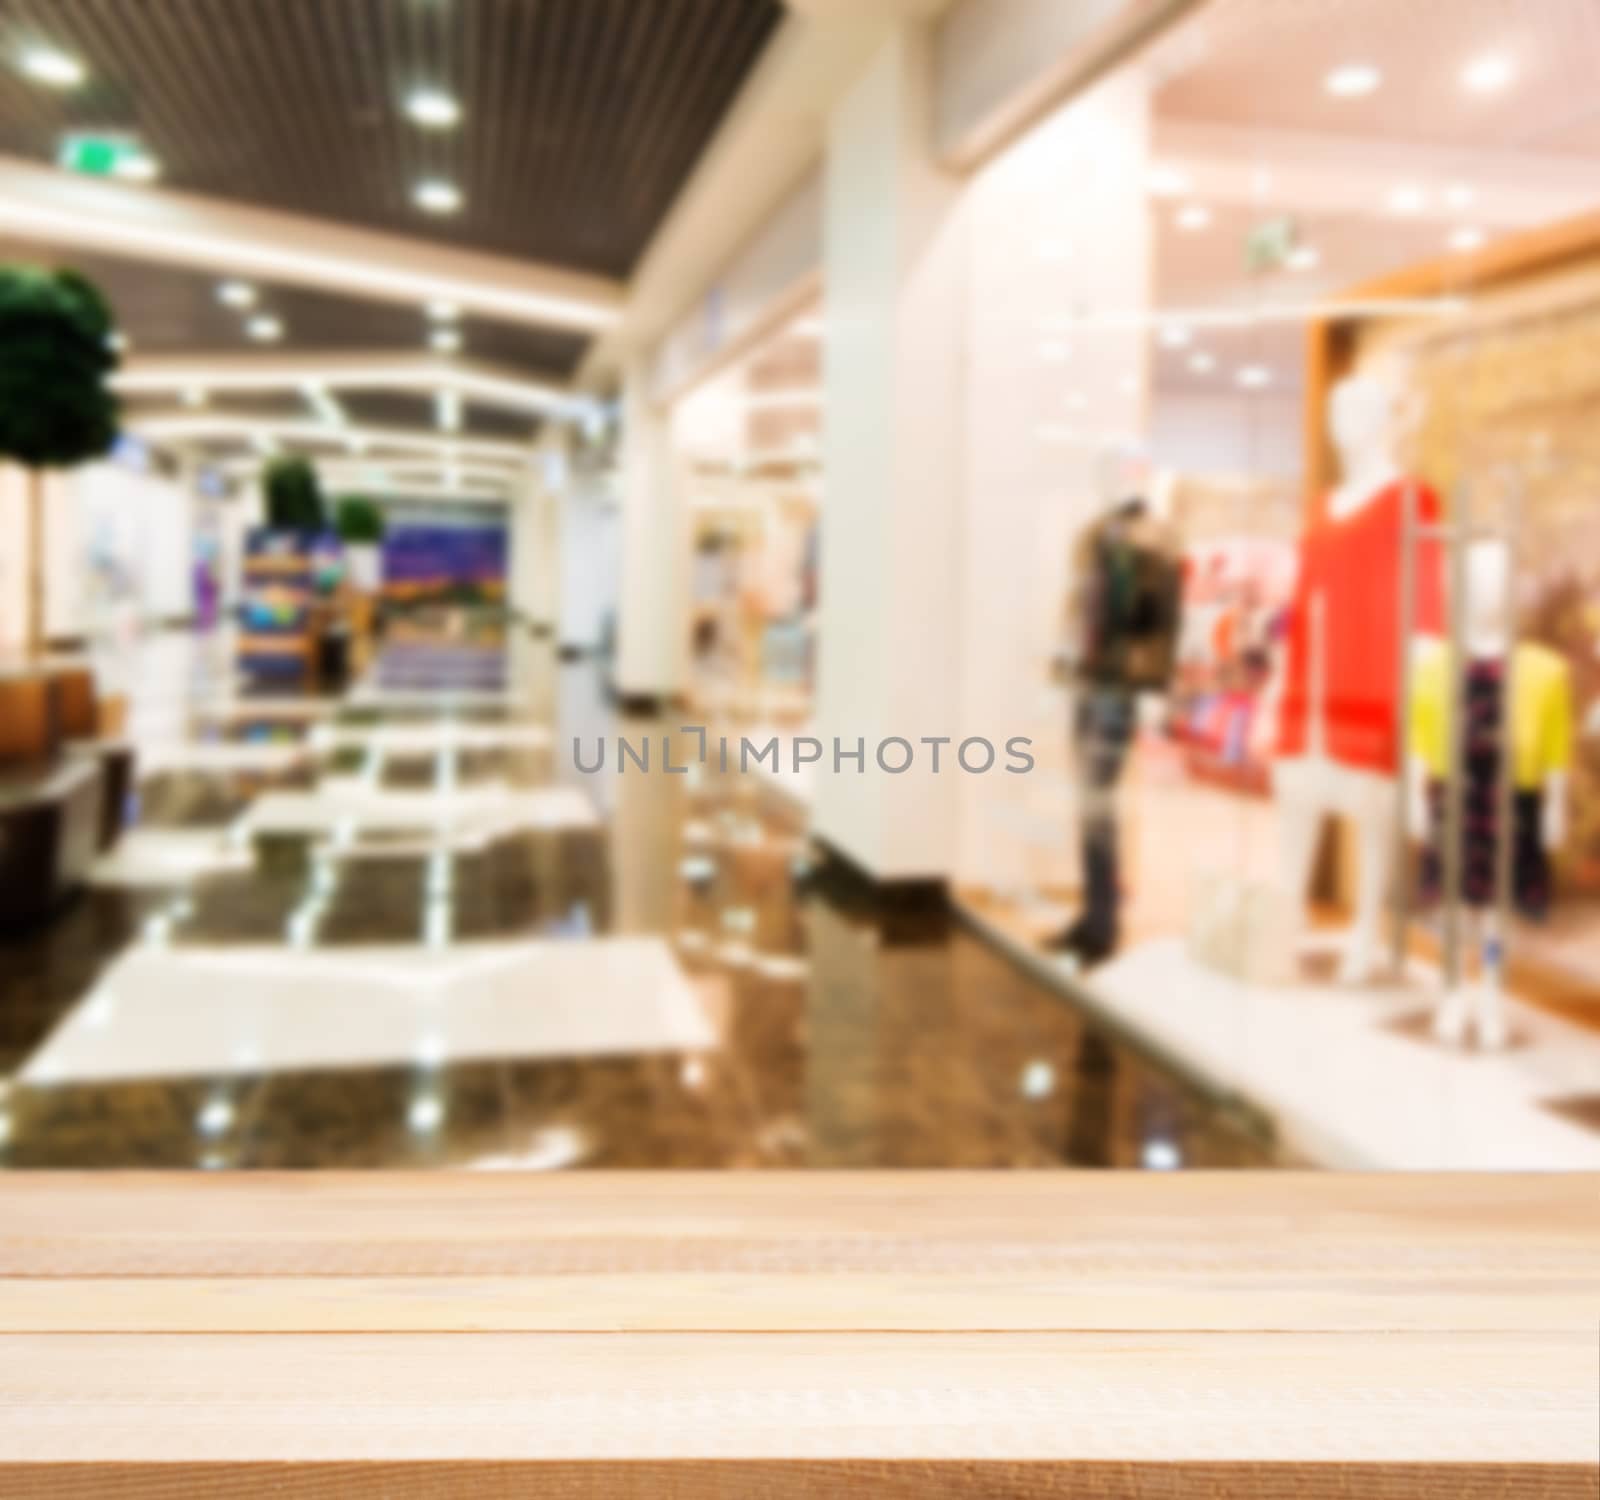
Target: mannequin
[1339, 721]
[1122, 628]
[1539, 716]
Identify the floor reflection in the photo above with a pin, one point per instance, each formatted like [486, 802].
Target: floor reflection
[356, 934]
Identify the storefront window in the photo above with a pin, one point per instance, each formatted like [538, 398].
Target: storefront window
[1297, 312]
[748, 447]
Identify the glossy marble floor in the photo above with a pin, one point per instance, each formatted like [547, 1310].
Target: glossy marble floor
[401, 928]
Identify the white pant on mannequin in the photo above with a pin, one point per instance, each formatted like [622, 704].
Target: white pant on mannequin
[1478, 1006]
[1310, 787]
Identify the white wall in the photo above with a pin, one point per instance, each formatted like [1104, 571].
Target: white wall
[999, 62]
[139, 522]
[784, 253]
[110, 533]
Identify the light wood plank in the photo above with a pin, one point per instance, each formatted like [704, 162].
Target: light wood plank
[1310, 1398]
[907, 1334]
[481, 1224]
[1483, 1298]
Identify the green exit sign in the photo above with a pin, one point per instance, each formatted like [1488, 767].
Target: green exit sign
[103, 154]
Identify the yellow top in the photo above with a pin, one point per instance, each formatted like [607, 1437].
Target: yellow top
[1541, 713]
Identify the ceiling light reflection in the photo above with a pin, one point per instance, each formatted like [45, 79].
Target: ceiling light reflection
[1353, 80]
[56, 69]
[433, 108]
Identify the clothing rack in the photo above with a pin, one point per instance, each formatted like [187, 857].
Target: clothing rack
[1456, 532]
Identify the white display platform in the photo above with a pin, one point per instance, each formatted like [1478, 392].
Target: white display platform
[263, 710]
[429, 738]
[369, 695]
[161, 1012]
[159, 857]
[1344, 1086]
[491, 809]
[258, 757]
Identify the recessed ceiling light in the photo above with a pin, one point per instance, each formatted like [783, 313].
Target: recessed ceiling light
[425, 1114]
[444, 340]
[1161, 1156]
[1352, 80]
[57, 69]
[1488, 74]
[237, 294]
[433, 109]
[1303, 258]
[443, 312]
[137, 168]
[436, 197]
[1038, 1080]
[265, 329]
[1175, 337]
[1460, 195]
[1166, 181]
[1254, 377]
[215, 1117]
[1407, 199]
[1194, 216]
[1463, 241]
[1202, 364]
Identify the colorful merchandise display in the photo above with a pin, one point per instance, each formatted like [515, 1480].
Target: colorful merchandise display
[276, 634]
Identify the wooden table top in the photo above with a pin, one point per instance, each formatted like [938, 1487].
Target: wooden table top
[915, 1334]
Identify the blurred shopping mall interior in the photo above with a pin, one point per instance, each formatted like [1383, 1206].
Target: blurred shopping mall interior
[850, 583]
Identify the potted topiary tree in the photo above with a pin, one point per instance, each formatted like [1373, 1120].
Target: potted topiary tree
[359, 522]
[294, 496]
[56, 409]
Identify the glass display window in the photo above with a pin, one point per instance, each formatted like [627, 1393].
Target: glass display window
[1337, 813]
[748, 452]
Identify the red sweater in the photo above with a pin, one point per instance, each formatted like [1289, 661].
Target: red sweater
[1354, 564]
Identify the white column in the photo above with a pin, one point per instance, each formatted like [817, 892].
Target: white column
[652, 628]
[552, 480]
[535, 547]
[893, 258]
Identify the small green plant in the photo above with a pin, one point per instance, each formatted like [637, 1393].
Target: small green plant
[359, 521]
[56, 409]
[294, 496]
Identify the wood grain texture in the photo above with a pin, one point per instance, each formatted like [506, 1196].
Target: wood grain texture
[906, 1334]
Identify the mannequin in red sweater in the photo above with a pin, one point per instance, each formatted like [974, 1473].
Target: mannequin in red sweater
[1340, 715]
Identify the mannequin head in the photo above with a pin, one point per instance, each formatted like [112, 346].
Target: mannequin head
[1361, 421]
[1488, 601]
[1121, 472]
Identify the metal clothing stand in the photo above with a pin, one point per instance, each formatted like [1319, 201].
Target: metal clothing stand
[1457, 533]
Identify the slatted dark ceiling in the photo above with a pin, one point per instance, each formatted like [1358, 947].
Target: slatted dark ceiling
[168, 311]
[581, 118]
